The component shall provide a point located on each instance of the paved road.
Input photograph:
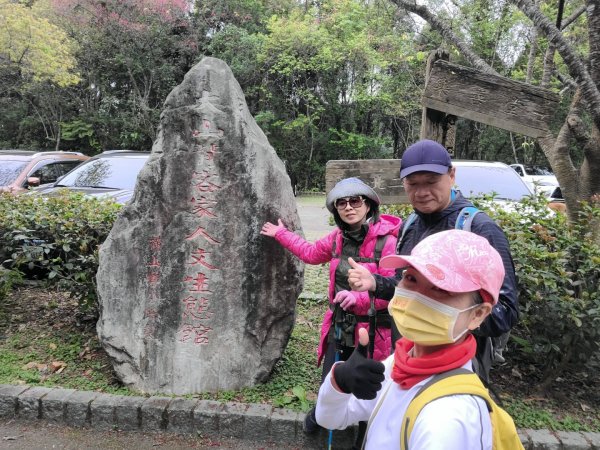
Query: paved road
(39, 436)
(314, 216)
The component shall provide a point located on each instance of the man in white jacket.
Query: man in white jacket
(451, 281)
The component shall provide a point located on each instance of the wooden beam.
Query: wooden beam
(437, 125)
(490, 99)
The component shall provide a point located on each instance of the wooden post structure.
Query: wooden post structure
(437, 125)
(450, 91)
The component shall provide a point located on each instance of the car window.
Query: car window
(117, 173)
(539, 170)
(47, 173)
(477, 180)
(65, 167)
(518, 170)
(10, 170)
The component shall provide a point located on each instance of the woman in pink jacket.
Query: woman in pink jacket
(364, 235)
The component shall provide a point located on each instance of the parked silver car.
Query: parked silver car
(538, 178)
(110, 174)
(474, 178)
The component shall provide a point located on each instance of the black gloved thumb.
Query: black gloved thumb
(363, 343)
(360, 376)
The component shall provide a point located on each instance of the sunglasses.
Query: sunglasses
(355, 202)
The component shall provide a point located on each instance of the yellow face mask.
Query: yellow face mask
(424, 320)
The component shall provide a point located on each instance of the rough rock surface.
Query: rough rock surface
(192, 297)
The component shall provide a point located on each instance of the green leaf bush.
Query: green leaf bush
(558, 269)
(56, 239)
(8, 279)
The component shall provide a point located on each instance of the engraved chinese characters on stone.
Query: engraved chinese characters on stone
(192, 297)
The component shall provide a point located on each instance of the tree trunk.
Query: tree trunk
(573, 61)
(576, 184)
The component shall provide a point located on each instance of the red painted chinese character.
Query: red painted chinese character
(212, 151)
(201, 303)
(149, 329)
(195, 133)
(205, 124)
(198, 333)
(155, 243)
(153, 277)
(151, 313)
(196, 310)
(200, 283)
(195, 315)
(202, 206)
(155, 262)
(199, 257)
(202, 232)
(203, 184)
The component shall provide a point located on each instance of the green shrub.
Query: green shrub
(56, 238)
(558, 269)
(8, 278)
(402, 211)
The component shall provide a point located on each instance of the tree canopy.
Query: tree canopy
(32, 49)
(327, 79)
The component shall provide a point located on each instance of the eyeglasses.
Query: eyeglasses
(355, 202)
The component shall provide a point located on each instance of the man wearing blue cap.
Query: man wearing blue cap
(428, 177)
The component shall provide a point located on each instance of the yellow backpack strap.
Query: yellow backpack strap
(457, 381)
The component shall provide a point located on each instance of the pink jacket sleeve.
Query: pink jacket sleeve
(317, 253)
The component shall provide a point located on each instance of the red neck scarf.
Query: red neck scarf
(408, 371)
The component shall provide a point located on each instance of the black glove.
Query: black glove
(359, 376)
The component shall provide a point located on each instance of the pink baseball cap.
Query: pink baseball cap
(456, 261)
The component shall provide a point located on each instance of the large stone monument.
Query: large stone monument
(192, 297)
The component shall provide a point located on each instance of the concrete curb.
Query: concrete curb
(252, 422)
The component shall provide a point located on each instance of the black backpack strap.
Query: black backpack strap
(381, 240)
(379, 245)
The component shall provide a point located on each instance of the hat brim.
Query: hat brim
(436, 168)
(436, 274)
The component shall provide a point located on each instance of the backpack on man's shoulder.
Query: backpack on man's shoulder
(463, 221)
(456, 382)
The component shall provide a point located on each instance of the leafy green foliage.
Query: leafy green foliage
(527, 416)
(57, 238)
(402, 211)
(27, 357)
(39, 49)
(80, 130)
(325, 81)
(558, 269)
(8, 278)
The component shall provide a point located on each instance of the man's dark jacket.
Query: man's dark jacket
(505, 313)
